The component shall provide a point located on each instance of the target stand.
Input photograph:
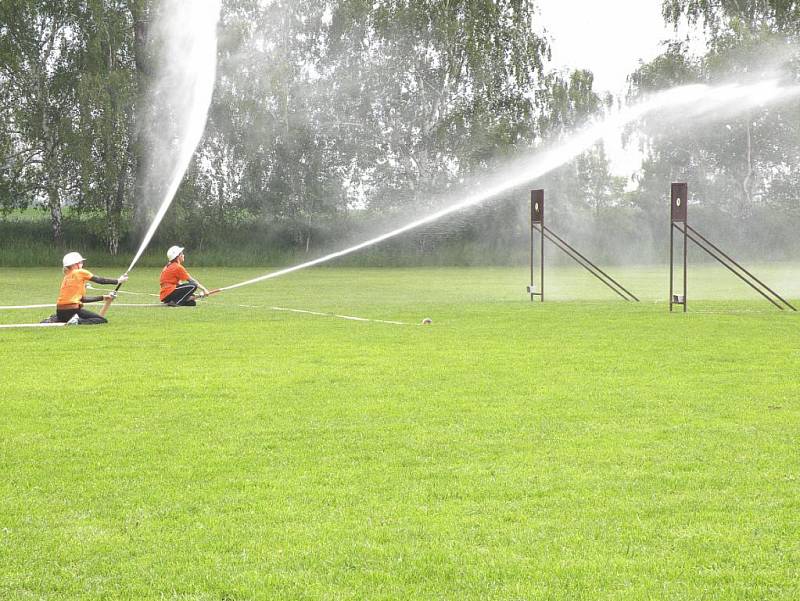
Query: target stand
(679, 222)
(537, 219)
(538, 225)
(678, 199)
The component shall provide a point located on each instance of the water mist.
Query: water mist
(685, 103)
(185, 36)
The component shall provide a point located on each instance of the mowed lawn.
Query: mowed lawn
(584, 448)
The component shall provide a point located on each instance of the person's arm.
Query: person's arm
(92, 299)
(194, 282)
(99, 280)
(185, 276)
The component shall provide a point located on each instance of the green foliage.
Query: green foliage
(106, 96)
(742, 165)
(324, 112)
(721, 16)
(329, 115)
(37, 102)
(566, 103)
(348, 104)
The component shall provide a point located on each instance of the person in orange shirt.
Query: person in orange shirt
(72, 296)
(177, 285)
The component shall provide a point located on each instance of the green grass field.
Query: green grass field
(584, 448)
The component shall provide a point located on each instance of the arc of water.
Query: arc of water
(696, 100)
(188, 74)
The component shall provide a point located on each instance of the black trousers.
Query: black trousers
(84, 317)
(181, 296)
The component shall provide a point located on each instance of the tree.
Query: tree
(139, 14)
(106, 95)
(744, 162)
(326, 106)
(566, 104)
(38, 101)
(720, 17)
(323, 109)
(439, 88)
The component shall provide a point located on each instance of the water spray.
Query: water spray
(186, 81)
(694, 101)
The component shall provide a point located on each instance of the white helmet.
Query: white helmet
(174, 252)
(71, 259)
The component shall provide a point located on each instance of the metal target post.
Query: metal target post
(679, 197)
(538, 225)
(678, 200)
(537, 219)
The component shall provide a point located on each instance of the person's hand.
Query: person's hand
(108, 297)
(122, 279)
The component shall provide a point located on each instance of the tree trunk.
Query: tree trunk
(137, 133)
(56, 216)
(114, 202)
(746, 182)
(114, 212)
(220, 192)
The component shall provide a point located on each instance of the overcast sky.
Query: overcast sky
(608, 37)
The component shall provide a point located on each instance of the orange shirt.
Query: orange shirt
(73, 287)
(172, 275)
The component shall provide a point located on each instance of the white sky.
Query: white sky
(608, 37)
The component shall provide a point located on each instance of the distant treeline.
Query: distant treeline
(497, 234)
(333, 119)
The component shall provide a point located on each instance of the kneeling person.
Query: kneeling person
(72, 296)
(177, 285)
